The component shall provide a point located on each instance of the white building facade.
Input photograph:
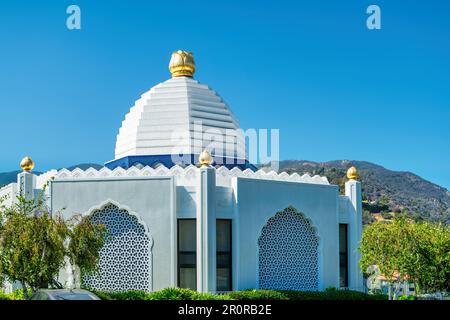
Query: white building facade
(216, 228)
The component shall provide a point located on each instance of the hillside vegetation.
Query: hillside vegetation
(385, 192)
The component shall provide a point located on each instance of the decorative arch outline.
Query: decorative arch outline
(147, 246)
(263, 276)
(105, 203)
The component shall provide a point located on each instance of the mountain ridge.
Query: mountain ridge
(396, 191)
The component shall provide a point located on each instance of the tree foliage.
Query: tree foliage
(86, 240)
(407, 251)
(34, 244)
(431, 269)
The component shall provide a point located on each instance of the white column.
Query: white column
(206, 230)
(353, 192)
(26, 182)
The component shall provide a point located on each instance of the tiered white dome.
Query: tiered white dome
(155, 123)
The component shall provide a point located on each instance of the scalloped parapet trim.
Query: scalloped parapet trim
(42, 179)
(177, 171)
(8, 186)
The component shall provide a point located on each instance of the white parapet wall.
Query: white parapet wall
(8, 194)
(185, 176)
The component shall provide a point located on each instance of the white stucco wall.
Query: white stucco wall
(161, 196)
(8, 194)
(152, 199)
(259, 200)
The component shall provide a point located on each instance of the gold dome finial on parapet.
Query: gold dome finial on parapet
(205, 159)
(182, 64)
(27, 164)
(352, 173)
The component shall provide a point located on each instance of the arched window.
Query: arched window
(126, 257)
(288, 253)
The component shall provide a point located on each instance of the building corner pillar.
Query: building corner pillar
(206, 230)
(353, 192)
(26, 182)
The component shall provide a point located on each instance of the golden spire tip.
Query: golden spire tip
(352, 173)
(27, 164)
(205, 159)
(182, 64)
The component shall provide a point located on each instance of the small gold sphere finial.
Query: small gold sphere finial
(182, 64)
(205, 159)
(352, 173)
(27, 164)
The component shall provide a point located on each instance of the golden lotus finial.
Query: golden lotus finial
(27, 164)
(205, 159)
(352, 173)
(182, 64)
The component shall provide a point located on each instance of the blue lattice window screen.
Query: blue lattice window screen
(125, 259)
(288, 253)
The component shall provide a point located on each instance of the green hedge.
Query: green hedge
(127, 295)
(258, 295)
(303, 295)
(186, 294)
(165, 294)
(16, 295)
(331, 295)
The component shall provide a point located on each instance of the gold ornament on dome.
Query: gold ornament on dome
(182, 64)
(27, 164)
(352, 173)
(205, 159)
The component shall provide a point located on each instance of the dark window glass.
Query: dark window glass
(187, 259)
(223, 237)
(343, 255)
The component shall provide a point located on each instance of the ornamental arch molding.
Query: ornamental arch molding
(288, 252)
(126, 257)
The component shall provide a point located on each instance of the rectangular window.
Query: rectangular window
(187, 258)
(343, 255)
(223, 243)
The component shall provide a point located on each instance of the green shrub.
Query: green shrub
(165, 294)
(124, 295)
(103, 295)
(331, 294)
(211, 296)
(407, 298)
(187, 294)
(173, 294)
(131, 295)
(15, 295)
(257, 295)
(4, 296)
(184, 294)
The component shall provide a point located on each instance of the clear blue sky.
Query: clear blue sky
(311, 68)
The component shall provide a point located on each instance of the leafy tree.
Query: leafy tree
(405, 250)
(386, 246)
(86, 240)
(367, 217)
(34, 244)
(386, 215)
(384, 201)
(431, 268)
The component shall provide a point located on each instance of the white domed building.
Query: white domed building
(180, 216)
(175, 121)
